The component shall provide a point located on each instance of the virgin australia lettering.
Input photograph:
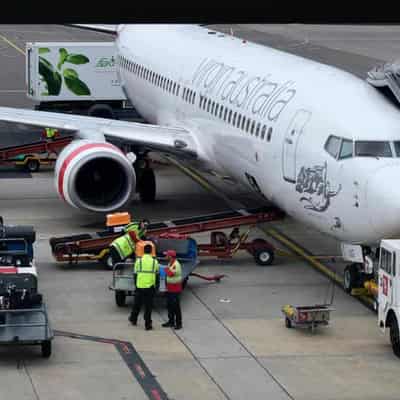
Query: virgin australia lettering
(262, 96)
(318, 142)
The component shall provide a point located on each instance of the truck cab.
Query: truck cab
(388, 292)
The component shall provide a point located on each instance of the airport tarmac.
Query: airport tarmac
(234, 344)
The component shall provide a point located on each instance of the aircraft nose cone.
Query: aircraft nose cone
(383, 201)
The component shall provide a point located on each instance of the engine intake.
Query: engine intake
(94, 175)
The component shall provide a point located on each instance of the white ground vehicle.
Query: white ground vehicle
(76, 77)
(388, 292)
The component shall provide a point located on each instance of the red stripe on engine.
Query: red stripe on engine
(72, 156)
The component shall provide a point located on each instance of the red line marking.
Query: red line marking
(71, 156)
(155, 394)
(139, 369)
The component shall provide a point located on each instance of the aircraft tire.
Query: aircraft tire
(395, 336)
(147, 186)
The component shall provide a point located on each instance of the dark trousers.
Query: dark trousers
(174, 308)
(143, 297)
(116, 258)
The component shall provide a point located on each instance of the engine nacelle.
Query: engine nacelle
(94, 175)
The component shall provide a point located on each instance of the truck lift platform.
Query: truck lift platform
(29, 152)
(86, 247)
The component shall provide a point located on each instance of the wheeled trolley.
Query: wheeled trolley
(23, 314)
(307, 316)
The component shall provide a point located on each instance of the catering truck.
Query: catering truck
(76, 78)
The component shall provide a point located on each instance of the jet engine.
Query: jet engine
(94, 175)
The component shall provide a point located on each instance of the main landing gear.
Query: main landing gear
(145, 179)
(356, 273)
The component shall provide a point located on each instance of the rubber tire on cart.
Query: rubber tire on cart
(350, 278)
(107, 261)
(264, 256)
(288, 323)
(46, 348)
(147, 186)
(32, 165)
(120, 298)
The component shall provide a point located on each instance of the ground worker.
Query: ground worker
(145, 270)
(124, 246)
(174, 289)
(50, 133)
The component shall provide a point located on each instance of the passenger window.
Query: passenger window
(263, 131)
(373, 149)
(248, 125)
(234, 119)
(346, 151)
(332, 146)
(229, 116)
(212, 107)
(258, 129)
(216, 109)
(221, 111)
(243, 122)
(252, 127)
(386, 261)
(208, 105)
(269, 134)
(238, 120)
(225, 113)
(183, 93)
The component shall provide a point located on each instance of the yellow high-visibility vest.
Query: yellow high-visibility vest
(146, 268)
(124, 245)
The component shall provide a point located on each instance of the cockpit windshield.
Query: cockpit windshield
(373, 149)
(342, 148)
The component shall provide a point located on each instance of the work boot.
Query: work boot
(167, 324)
(177, 327)
(149, 328)
(132, 320)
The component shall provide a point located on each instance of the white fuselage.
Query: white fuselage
(183, 76)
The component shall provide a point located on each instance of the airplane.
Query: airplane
(320, 143)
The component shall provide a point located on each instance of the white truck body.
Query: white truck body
(92, 63)
(388, 294)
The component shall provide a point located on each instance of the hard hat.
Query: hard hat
(170, 253)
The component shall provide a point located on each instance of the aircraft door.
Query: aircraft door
(290, 143)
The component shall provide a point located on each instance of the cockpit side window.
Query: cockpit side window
(346, 150)
(397, 148)
(332, 146)
(373, 149)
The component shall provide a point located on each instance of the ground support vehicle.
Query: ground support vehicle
(76, 78)
(84, 247)
(307, 316)
(186, 250)
(32, 155)
(23, 314)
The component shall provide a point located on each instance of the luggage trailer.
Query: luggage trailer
(94, 247)
(32, 155)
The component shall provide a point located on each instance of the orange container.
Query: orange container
(139, 249)
(115, 219)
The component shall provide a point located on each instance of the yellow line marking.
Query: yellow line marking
(272, 232)
(12, 45)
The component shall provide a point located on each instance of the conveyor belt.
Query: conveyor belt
(85, 244)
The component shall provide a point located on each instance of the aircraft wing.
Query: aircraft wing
(164, 139)
(98, 28)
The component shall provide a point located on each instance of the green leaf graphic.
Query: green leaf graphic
(77, 59)
(63, 55)
(43, 50)
(74, 84)
(51, 77)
